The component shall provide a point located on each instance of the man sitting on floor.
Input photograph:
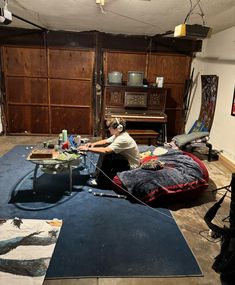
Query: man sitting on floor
(117, 153)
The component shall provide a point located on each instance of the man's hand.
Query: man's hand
(83, 147)
(89, 144)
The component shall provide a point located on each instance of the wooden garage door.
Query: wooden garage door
(48, 90)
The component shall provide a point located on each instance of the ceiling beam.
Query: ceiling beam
(28, 22)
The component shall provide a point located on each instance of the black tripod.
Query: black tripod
(232, 205)
(228, 188)
(224, 262)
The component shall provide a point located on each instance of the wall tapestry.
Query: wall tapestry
(26, 248)
(208, 103)
(233, 104)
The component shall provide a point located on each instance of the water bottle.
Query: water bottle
(78, 140)
(60, 139)
(65, 135)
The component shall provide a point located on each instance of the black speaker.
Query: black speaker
(224, 262)
(232, 203)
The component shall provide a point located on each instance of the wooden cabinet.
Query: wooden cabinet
(48, 90)
(146, 99)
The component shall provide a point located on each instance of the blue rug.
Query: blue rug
(100, 236)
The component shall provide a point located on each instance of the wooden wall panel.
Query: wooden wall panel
(70, 92)
(174, 68)
(175, 123)
(25, 61)
(174, 109)
(124, 62)
(75, 120)
(59, 82)
(38, 102)
(28, 119)
(71, 64)
(174, 97)
(70, 84)
(27, 90)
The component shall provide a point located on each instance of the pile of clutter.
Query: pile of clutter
(66, 142)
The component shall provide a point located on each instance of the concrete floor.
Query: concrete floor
(189, 217)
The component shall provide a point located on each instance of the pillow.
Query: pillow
(182, 140)
(160, 151)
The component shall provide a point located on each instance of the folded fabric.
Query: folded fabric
(152, 163)
(145, 154)
(182, 140)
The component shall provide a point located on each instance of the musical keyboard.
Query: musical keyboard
(140, 105)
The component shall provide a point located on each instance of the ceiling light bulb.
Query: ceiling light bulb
(100, 2)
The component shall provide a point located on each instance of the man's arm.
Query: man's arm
(87, 145)
(101, 142)
(94, 147)
(106, 149)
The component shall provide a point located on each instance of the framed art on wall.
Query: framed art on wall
(233, 104)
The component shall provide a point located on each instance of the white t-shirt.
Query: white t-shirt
(125, 145)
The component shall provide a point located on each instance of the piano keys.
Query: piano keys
(161, 117)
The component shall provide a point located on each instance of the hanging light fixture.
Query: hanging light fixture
(100, 2)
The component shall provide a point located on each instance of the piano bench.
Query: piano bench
(141, 136)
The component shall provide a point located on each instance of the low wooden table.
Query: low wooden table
(149, 135)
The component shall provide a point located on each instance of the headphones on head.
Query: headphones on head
(119, 126)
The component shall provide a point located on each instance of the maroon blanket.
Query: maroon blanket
(182, 172)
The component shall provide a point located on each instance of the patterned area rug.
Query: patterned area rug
(26, 248)
(101, 236)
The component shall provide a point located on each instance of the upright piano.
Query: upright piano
(137, 105)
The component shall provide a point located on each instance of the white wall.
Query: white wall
(217, 57)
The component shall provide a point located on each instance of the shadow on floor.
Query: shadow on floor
(49, 191)
(204, 197)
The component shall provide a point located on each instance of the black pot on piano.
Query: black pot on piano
(143, 108)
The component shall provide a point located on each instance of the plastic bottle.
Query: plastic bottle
(65, 135)
(60, 139)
